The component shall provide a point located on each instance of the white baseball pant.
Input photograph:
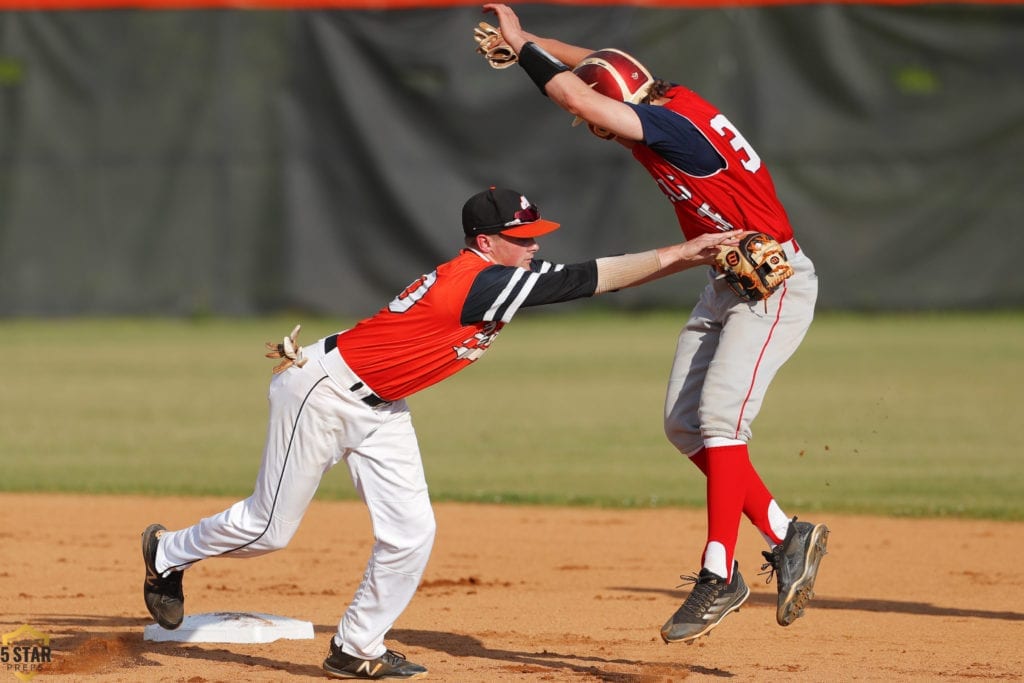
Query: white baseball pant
(315, 421)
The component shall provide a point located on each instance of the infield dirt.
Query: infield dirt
(522, 594)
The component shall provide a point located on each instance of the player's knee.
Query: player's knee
(407, 552)
(685, 440)
(423, 532)
(276, 535)
(279, 539)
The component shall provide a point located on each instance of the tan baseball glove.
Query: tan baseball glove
(491, 44)
(288, 350)
(754, 268)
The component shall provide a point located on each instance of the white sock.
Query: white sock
(779, 521)
(714, 559)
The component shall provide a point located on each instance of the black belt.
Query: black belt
(372, 399)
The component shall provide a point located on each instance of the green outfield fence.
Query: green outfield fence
(192, 158)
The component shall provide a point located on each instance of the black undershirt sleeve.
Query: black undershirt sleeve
(499, 291)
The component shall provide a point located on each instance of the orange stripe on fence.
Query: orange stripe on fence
(56, 5)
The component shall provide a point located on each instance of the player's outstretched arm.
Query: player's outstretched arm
(630, 270)
(548, 63)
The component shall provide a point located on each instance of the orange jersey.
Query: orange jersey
(448, 318)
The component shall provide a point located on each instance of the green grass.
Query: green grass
(906, 415)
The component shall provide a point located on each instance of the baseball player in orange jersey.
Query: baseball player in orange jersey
(730, 348)
(343, 399)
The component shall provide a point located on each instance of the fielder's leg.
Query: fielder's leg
(388, 473)
(308, 415)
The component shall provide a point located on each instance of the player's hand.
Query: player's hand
(509, 25)
(491, 44)
(704, 248)
(288, 350)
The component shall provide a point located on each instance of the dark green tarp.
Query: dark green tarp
(248, 161)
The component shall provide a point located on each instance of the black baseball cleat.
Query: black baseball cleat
(391, 664)
(795, 563)
(711, 599)
(164, 597)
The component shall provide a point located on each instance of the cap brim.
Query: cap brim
(534, 229)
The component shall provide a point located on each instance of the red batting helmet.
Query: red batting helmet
(615, 74)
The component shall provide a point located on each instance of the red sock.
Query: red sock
(756, 500)
(728, 467)
(755, 507)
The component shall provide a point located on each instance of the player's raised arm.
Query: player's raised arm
(549, 62)
(515, 36)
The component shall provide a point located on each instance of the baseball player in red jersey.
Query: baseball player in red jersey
(343, 399)
(730, 348)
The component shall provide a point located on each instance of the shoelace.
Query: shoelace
(702, 596)
(393, 658)
(770, 565)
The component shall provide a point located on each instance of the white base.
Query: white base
(232, 627)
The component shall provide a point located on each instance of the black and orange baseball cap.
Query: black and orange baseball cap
(506, 211)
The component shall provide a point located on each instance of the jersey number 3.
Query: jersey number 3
(723, 127)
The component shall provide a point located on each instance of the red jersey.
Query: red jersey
(448, 318)
(708, 170)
